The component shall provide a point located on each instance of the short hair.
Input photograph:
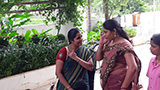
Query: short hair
(72, 34)
(156, 39)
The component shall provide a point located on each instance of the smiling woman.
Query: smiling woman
(73, 62)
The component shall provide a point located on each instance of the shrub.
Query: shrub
(30, 56)
(130, 31)
(3, 42)
(60, 37)
(94, 35)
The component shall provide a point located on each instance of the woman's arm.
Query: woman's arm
(99, 53)
(87, 65)
(132, 68)
(59, 66)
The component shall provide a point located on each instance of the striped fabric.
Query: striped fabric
(73, 71)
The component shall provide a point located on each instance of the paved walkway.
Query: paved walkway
(144, 54)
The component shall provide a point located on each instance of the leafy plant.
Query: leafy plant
(30, 56)
(130, 31)
(133, 6)
(94, 35)
(3, 42)
(10, 26)
(60, 37)
(20, 40)
(58, 11)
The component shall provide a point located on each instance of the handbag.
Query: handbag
(54, 86)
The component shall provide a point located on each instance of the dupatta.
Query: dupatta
(73, 71)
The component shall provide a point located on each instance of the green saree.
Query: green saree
(73, 71)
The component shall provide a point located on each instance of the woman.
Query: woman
(153, 72)
(73, 62)
(119, 66)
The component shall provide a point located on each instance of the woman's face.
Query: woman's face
(155, 49)
(78, 39)
(108, 34)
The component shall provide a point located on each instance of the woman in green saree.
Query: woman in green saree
(73, 62)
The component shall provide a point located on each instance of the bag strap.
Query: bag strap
(67, 52)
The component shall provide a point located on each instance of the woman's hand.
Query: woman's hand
(72, 55)
(103, 39)
(136, 86)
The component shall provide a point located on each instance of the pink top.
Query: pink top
(153, 74)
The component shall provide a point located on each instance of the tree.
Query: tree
(133, 6)
(58, 11)
(112, 6)
(89, 16)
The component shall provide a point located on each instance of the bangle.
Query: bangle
(100, 50)
(68, 87)
(123, 88)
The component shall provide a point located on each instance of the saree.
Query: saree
(73, 71)
(113, 55)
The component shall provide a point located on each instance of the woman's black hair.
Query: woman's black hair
(111, 24)
(156, 39)
(72, 34)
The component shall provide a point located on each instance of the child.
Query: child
(153, 72)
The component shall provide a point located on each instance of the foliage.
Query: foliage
(30, 56)
(3, 42)
(20, 40)
(130, 31)
(112, 6)
(20, 53)
(60, 37)
(94, 35)
(58, 11)
(10, 25)
(133, 6)
(150, 2)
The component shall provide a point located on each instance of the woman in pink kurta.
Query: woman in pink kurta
(120, 65)
(153, 72)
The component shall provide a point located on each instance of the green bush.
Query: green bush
(60, 37)
(30, 56)
(130, 31)
(3, 42)
(94, 35)
(21, 53)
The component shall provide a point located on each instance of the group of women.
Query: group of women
(120, 68)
